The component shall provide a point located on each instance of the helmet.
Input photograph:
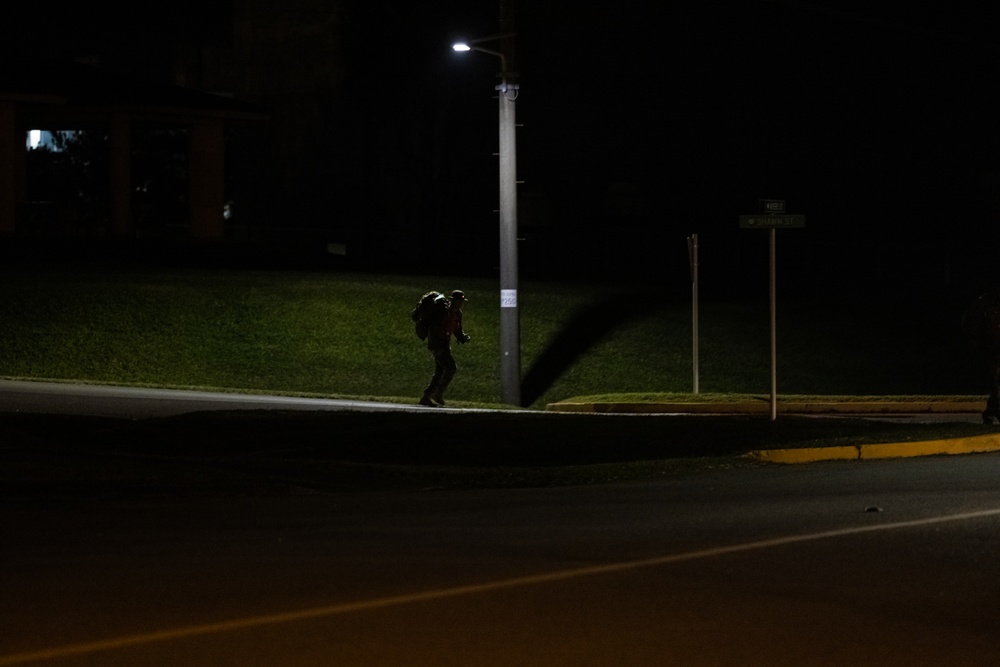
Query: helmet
(458, 294)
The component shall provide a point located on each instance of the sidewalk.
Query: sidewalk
(969, 445)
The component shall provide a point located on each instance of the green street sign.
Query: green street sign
(772, 221)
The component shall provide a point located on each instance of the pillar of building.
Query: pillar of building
(121, 221)
(11, 168)
(207, 178)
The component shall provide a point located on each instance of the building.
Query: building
(114, 108)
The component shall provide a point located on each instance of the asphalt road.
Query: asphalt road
(862, 563)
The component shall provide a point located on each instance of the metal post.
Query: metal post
(774, 333)
(510, 327)
(693, 256)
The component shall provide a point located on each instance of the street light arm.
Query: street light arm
(470, 45)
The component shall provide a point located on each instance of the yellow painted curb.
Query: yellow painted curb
(974, 445)
(807, 454)
(783, 407)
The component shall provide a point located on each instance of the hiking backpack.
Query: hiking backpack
(428, 311)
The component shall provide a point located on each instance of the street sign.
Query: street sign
(772, 221)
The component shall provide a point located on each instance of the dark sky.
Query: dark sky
(67, 28)
(770, 90)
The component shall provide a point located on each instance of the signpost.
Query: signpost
(772, 217)
(693, 257)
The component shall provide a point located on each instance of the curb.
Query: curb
(974, 445)
(764, 407)
(971, 445)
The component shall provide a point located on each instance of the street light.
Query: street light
(510, 334)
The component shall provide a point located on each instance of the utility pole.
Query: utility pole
(507, 90)
(510, 321)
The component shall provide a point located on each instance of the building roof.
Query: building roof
(49, 86)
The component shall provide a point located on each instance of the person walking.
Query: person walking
(439, 333)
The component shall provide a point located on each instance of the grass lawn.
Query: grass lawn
(349, 335)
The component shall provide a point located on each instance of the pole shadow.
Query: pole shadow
(586, 327)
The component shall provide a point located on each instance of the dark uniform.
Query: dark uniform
(439, 343)
(982, 328)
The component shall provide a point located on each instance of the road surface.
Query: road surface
(863, 563)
